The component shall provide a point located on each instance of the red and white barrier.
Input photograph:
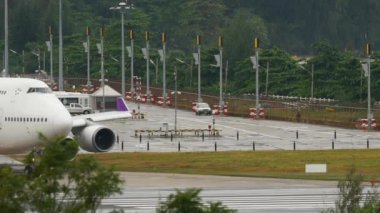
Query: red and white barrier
(160, 101)
(225, 109)
(215, 109)
(128, 96)
(364, 124)
(193, 106)
(252, 113)
(143, 99)
(219, 110)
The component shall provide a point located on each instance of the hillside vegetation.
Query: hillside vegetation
(332, 33)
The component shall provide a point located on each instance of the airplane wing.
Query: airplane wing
(123, 112)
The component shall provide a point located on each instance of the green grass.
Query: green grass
(278, 164)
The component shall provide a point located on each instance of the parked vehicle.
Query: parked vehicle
(202, 109)
(75, 108)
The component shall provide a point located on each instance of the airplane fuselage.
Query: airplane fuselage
(27, 109)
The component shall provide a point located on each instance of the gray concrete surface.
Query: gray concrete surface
(266, 134)
(143, 191)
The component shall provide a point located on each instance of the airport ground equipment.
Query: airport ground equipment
(180, 132)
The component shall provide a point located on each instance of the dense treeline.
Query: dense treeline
(285, 28)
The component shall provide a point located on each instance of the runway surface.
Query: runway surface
(144, 191)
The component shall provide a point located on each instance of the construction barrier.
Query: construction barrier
(225, 109)
(152, 99)
(252, 113)
(219, 110)
(364, 124)
(215, 109)
(160, 101)
(168, 101)
(193, 106)
(128, 96)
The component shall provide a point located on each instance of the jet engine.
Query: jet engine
(95, 138)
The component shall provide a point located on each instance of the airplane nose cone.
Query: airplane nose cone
(62, 123)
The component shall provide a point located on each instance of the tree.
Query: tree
(351, 193)
(189, 201)
(58, 183)
(11, 191)
(182, 201)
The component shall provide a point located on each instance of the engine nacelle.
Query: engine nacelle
(96, 138)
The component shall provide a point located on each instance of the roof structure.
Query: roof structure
(108, 92)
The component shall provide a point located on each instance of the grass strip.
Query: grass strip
(277, 164)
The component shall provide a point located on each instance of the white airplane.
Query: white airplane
(28, 108)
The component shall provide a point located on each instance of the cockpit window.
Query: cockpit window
(39, 90)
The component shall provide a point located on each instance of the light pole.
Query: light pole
(266, 80)
(122, 7)
(256, 46)
(156, 68)
(43, 62)
(220, 44)
(131, 36)
(6, 48)
(38, 58)
(175, 100)
(146, 57)
(197, 58)
(87, 48)
(300, 64)
(60, 74)
(369, 115)
(23, 62)
(164, 67)
(49, 45)
(102, 66)
(312, 80)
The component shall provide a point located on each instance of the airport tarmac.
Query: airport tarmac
(143, 191)
(236, 133)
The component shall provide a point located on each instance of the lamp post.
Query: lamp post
(6, 48)
(87, 48)
(197, 58)
(60, 65)
(369, 115)
(301, 65)
(155, 64)
(102, 66)
(256, 46)
(220, 44)
(164, 67)
(175, 100)
(146, 57)
(131, 36)
(38, 58)
(122, 7)
(49, 45)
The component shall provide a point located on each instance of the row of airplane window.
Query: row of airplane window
(39, 90)
(23, 119)
(2, 92)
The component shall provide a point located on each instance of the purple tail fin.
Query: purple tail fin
(121, 105)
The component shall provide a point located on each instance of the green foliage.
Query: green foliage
(190, 201)
(351, 194)
(11, 191)
(58, 183)
(284, 28)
